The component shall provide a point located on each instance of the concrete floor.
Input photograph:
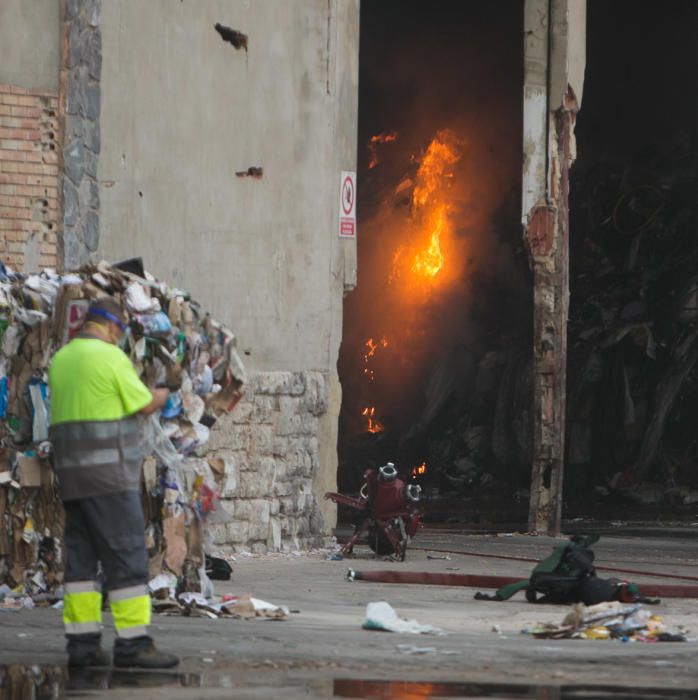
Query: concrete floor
(315, 649)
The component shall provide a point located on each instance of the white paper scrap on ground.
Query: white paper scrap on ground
(381, 616)
(189, 597)
(163, 580)
(264, 607)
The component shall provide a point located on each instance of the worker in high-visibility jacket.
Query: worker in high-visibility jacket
(96, 398)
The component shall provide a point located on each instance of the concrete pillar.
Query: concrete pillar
(80, 107)
(554, 58)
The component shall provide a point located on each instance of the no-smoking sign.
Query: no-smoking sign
(347, 205)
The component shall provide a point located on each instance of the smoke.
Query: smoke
(453, 73)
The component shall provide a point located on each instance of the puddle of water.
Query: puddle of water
(405, 690)
(18, 682)
(48, 682)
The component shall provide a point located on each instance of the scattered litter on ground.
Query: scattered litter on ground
(628, 623)
(382, 617)
(439, 556)
(192, 604)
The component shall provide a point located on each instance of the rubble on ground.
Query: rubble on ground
(172, 342)
(624, 622)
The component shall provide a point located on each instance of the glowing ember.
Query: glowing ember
(371, 347)
(385, 137)
(421, 469)
(372, 425)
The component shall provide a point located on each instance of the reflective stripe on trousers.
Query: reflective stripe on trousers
(130, 608)
(82, 607)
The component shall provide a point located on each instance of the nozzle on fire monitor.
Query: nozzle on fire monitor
(387, 472)
(413, 492)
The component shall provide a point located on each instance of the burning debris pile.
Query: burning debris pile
(172, 341)
(447, 395)
(428, 382)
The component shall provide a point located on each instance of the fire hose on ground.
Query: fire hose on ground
(479, 581)
(514, 557)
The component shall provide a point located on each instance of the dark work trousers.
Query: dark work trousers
(110, 530)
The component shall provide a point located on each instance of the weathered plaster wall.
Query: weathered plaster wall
(568, 50)
(30, 44)
(535, 97)
(30, 133)
(552, 61)
(182, 112)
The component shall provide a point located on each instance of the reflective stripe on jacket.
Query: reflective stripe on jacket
(95, 458)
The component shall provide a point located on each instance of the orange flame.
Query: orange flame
(421, 469)
(429, 262)
(430, 207)
(433, 170)
(373, 425)
(384, 137)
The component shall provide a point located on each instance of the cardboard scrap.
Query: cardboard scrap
(247, 607)
(176, 547)
(29, 467)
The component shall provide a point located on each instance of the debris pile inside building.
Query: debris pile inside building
(172, 342)
(633, 324)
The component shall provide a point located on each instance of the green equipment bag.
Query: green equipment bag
(566, 576)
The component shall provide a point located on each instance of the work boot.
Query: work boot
(85, 650)
(140, 652)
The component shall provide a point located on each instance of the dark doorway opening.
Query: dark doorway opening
(633, 338)
(435, 358)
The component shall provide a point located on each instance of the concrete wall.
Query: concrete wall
(182, 112)
(30, 44)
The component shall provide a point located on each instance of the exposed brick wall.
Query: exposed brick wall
(29, 144)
